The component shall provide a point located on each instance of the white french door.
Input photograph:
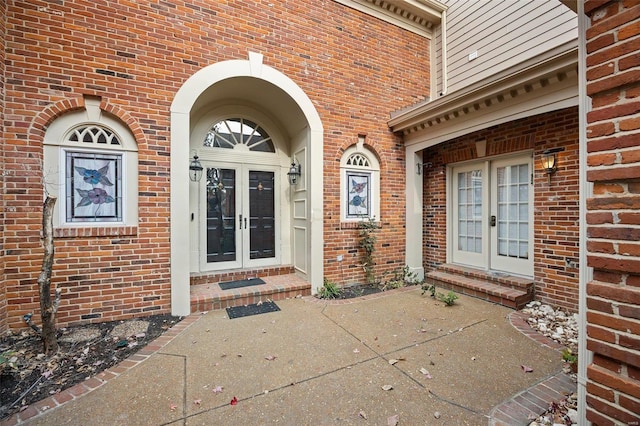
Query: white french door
(240, 217)
(492, 215)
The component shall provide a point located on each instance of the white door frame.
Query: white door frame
(488, 258)
(242, 238)
(182, 107)
(512, 265)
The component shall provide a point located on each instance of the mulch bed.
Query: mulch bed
(353, 291)
(27, 376)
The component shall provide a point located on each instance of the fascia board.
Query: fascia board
(554, 61)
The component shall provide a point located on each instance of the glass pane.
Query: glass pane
(513, 249)
(239, 131)
(469, 192)
(221, 215)
(524, 250)
(262, 215)
(513, 210)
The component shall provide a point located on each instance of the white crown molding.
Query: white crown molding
(547, 69)
(417, 16)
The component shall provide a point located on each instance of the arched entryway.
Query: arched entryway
(246, 122)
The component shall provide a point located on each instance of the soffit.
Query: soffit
(550, 68)
(418, 16)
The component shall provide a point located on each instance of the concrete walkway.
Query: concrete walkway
(317, 363)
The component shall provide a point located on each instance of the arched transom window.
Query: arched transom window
(360, 184)
(91, 165)
(94, 135)
(232, 133)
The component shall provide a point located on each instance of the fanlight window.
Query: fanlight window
(358, 160)
(93, 135)
(233, 132)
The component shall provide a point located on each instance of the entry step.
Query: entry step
(503, 289)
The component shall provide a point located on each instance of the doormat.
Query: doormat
(253, 309)
(228, 285)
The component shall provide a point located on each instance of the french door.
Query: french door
(240, 217)
(492, 215)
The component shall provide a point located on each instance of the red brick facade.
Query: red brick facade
(3, 29)
(134, 57)
(556, 227)
(613, 211)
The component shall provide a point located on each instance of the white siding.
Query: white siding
(503, 33)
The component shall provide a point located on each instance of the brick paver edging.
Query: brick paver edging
(100, 379)
(534, 401)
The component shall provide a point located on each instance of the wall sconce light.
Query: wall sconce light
(195, 169)
(550, 161)
(420, 166)
(294, 173)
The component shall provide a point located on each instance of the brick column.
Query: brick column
(613, 211)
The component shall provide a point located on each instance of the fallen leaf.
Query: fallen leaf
(437, 414)
(234, 401)
(363, 415)
(393, 420)
(387, 387)
(356, 351)
(217, 389)
(526, 369)
(197, 401)
(426, 373)
(393, 361)
(173, 407)
(270, 358)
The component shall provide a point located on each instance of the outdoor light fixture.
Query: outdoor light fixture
(420, 166)
(550, 161)
(195, 169)
(294, 173)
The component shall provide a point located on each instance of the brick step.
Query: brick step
(511, 295)
(499, 278)
(209, 296)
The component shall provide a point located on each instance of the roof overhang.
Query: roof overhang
(522, 80)
(418, 16)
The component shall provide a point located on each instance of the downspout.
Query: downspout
(443, 30)
(585, 357)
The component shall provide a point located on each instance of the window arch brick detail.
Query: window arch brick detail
(42, 120)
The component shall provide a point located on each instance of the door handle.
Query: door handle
(240, 222)
(245, 223)
(492, 221)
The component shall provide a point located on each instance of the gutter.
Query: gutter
(443, 26)
(585, 357)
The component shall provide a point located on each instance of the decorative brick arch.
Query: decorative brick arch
(43, 119)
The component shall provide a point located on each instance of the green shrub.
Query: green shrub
(329, 290)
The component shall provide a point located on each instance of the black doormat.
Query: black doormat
(228, 285)
(254, 309)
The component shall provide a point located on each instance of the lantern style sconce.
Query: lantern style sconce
(294, 173)
(421, 166)
(195, 169)
(550, 161)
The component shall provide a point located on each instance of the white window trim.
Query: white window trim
(373, 170)
(56, 145)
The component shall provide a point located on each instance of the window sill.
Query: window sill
(355, 224)
(97, 231)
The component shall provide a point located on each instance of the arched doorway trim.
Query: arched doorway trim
(181, 109)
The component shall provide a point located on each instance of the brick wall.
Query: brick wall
(613, 211)
(556, 221)
(3, 298)
(134, 56)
